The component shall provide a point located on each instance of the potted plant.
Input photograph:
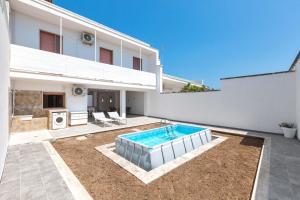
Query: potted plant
(288, 129)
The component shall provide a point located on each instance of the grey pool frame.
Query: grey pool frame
(149, 158)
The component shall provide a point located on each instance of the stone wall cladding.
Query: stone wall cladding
(29, 103)
(19, 125)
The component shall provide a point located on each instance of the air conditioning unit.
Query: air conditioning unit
(87, 38)
(79, 91)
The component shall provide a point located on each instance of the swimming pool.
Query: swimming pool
(152, 148)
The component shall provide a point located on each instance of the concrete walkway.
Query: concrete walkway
(30, 174)
(279, 176)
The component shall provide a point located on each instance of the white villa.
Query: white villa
(56, 64)
(54, 51)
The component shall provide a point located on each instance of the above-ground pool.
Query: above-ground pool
(152, 148)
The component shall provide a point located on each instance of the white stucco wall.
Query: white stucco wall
(25, 32)
(135, 100)
(73, 103)
(298, 97)
(5, 84)
(253, 103)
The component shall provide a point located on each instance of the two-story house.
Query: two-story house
(55, 53)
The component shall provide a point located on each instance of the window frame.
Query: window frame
(57, 94)
(56, 41)
(112, 55)
(140, 63)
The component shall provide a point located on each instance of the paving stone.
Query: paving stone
(278, 168)
(11, 186)
(296, 191)
(50, 177)
(10, 174)
(10, 196)
(29, 166)
(30, 179)
(279, 189)
(30, 174)
(33, 192)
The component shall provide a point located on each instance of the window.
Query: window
(137, 63)
(49, 42)
(49, 1)
(106, 56)
(53, 100)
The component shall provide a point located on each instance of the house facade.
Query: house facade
(55, 51)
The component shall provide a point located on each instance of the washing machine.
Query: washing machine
(59, 120)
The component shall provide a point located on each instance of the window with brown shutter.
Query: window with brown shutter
(50, 1)
(137, 63)
(106, 56)
(49, 42)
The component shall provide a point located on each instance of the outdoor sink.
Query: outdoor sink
(24, 117)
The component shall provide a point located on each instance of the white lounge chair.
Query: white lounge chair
(116, 117)
(99, 116)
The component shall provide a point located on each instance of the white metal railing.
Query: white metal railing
(38, 61)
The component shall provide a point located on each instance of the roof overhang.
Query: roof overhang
(52, 13)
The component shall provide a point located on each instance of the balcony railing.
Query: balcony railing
(38, 61)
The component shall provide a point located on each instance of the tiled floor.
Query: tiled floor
(45, 135)
(96, 128)
(280, 172)
(30, 174)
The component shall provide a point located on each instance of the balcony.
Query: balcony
(28, 60)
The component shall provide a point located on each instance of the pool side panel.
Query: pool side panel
(149, 158)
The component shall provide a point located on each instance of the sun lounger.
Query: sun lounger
(116, 117)
(100, 117)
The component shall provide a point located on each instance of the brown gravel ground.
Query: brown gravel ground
(226, 171)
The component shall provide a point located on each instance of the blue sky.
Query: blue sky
(206, 39)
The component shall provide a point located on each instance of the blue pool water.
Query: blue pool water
(153, 137)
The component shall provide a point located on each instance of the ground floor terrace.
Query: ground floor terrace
(70, 167)
(36, 104)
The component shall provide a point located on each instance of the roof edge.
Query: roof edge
(91, 22)
(293, 66)
(181, 79)
(254, 75)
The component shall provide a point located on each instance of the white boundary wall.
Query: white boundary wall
(5, 84)
(298, 96)
(253, 103)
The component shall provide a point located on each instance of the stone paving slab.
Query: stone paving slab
(30, 174)
(279, 177)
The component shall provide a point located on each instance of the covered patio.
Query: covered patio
(108, 100)
(91, 127)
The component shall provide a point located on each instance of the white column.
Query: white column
(95, 52)
(60, 34)
(121, 53)
(159, 81)
(123, 103)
